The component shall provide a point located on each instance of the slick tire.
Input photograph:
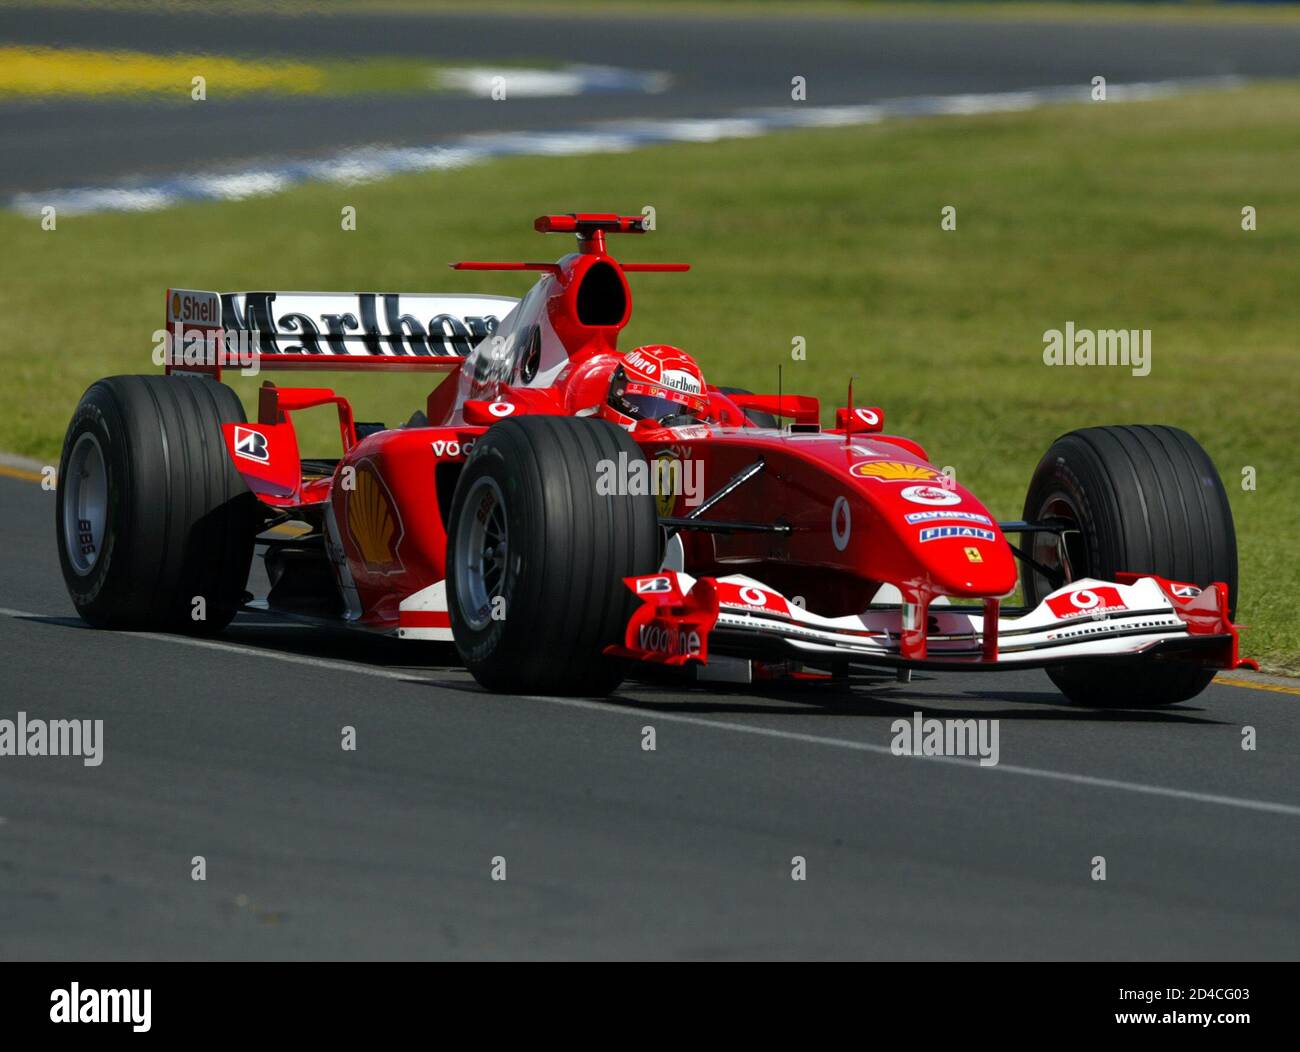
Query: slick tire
(151, 514)
(1141, 498)
(536, 557)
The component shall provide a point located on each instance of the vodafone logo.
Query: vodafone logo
(841, 523)
(935, 496)
(452, 448)
(868, 416)
(751, 597)
(500, 409)
(658, 638)
(1087, 602)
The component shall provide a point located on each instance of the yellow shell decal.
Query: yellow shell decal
(893, 471)
(667, 469)
(373, 522)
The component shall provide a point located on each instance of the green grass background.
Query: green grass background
(1110, 215)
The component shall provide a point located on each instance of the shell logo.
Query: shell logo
(668, 467)
(176, 306)
(893, 471)
(374, 523)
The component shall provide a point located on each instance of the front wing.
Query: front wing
(682, 619)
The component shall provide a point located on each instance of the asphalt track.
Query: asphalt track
(231, 750)
(720, 66)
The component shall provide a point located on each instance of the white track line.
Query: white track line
(607, 708)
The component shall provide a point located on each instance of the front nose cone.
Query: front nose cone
(966, 567)
(954, 541)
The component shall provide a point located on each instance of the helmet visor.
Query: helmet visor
(643, 401)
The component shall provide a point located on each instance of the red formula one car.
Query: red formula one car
(563, 511)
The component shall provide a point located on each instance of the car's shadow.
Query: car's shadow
(865, 693)
(882, 695)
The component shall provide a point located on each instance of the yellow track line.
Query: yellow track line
(20, 473)
(1256, 686)
(31, 70)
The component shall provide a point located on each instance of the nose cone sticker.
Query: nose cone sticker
(935, 496)
(940, 533)
(892, 471)
(841, 524)
(1093, 602)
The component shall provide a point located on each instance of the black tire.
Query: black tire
(755, 416)
(177, 520)
(1146, 499)
(560, 597)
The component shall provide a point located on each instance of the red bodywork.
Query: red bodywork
(859, 508)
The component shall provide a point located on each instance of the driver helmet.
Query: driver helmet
(658, 383)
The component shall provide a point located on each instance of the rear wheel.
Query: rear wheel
(536, 556)
(151, 514)
(1143, 499)
(755, 416)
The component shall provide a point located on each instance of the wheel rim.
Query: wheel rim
(85, 503)
(481, 552)
(1063, 552)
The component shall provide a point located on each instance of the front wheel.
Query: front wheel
(1143, 499)
(537, 551)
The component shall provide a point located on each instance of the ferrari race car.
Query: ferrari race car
(563, 512)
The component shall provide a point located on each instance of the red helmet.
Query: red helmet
(658, 383)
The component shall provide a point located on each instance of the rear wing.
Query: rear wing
(326, 330)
